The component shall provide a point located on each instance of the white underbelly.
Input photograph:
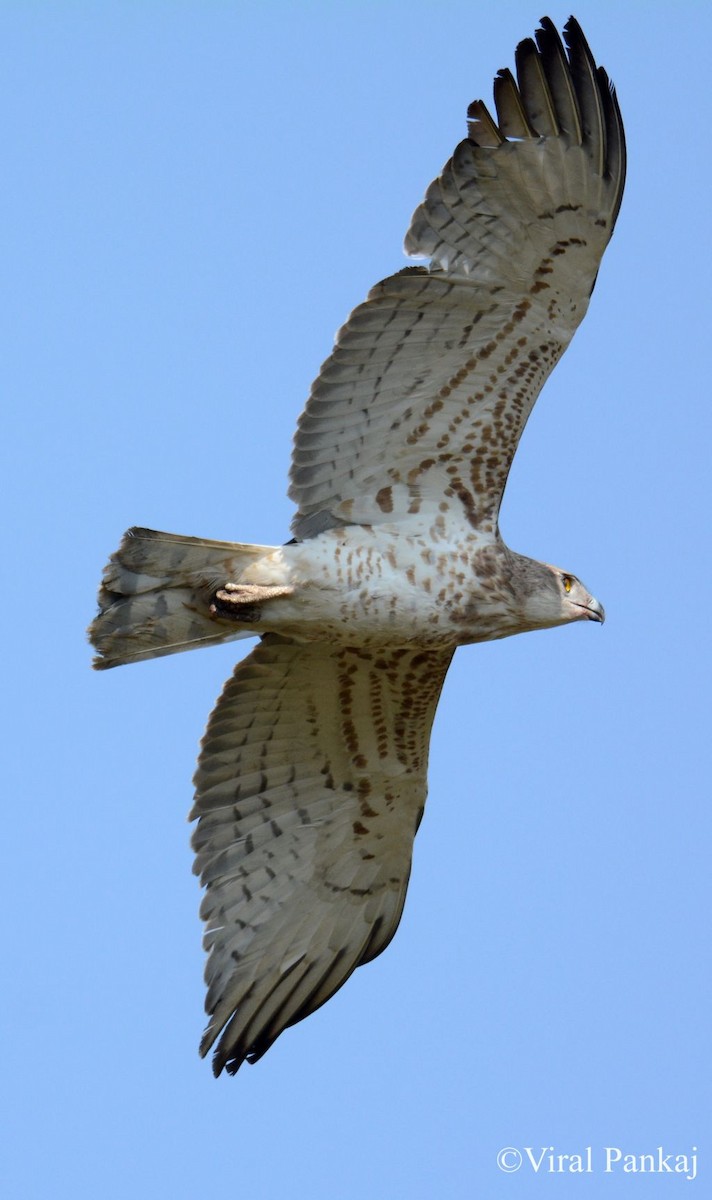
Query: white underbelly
(367, 584)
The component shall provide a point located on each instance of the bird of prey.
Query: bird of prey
(311, 779)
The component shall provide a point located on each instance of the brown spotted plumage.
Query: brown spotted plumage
(312, 775)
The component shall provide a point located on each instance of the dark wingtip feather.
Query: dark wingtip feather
(602, 122)
(510, 111)
(617, 154)
(534, 89)
(559, 90)
(481, 129)
(556, 66)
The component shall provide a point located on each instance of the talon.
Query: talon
(235, 602)
(233, 595)
(242, 601)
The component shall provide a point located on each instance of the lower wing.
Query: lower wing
(309, 790)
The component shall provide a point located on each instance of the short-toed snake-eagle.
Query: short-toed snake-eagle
(312, 776)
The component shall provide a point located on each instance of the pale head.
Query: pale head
(551, 596)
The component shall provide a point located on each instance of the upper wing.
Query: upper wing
(432, 379)
(309, 790)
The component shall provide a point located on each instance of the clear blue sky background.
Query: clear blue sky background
(193, 198)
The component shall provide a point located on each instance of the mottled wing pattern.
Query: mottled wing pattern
(309, 790)
(432, 379)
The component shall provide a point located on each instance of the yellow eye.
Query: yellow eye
(568, 583)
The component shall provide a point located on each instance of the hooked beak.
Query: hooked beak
(594, 611)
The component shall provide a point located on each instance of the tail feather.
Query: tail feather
(156, 593)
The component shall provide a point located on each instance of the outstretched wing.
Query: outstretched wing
(433, 378)
(309, 790)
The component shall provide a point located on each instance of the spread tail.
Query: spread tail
(156, 594)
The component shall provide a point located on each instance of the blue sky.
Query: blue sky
(195, 196)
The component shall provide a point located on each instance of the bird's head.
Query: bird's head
(555, 597)
(577, 604)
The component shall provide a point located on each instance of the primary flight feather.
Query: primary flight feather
(311, 780)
